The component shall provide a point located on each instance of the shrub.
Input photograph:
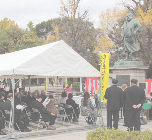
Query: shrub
(111, 134)
(76, 86)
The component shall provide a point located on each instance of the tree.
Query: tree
(5, 43)
(29, 39)
(77, 30)
(47, 27)
(7, 23)
(55, 37)
(110, 22)
(9, 34)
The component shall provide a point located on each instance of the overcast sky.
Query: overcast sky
(23, 11)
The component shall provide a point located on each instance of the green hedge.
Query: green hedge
(76, 86)
(111, 134)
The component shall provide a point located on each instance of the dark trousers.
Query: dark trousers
(25, 122)
(124, 114)
(133, 119)
(77, 112)
(2, 123)
(115, 114)
(52, 121)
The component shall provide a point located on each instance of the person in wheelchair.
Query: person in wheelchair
(75, 106)
(88, 110)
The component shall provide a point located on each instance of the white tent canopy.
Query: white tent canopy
(50, 60)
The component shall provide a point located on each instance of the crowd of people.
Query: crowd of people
(130, 98)
(25, 104)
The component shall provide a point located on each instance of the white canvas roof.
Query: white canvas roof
(50, 60)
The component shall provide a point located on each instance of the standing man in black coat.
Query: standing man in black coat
(114, 96)
(135, 97)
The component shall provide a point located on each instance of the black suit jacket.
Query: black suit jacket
(114, 96)
(24, 99)
(72, 103)
(7, 105)
(16, 101)
(29, 99)
(1, 107)
(124, 99)
(43, 98)
(46, 115)
(134, 96)
(33, 99)
(17, 112)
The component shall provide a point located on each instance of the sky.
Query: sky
(37, 11)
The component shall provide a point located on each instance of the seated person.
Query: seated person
(29, 97)
(75, 106)
(51, 105)
(24, 99)
(17, 99)
(34, 95)
(46, 115)
(7, 103)
(2, 124)
(2, 119)
(21, 92)
(2, 95)
(43, 94)
(7, 92)
(19, 115)
(87, 107)
(63, 98)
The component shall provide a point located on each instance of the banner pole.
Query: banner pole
(100, 91)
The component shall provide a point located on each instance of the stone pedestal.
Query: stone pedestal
(126, 70)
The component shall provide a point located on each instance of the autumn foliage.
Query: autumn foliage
(109, 23)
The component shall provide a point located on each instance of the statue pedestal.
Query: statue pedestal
(124, 71)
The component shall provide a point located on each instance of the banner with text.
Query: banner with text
(104, 69)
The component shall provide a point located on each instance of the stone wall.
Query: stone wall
(139, 74)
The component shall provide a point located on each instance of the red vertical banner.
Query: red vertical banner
(148, 85)
(92, 84)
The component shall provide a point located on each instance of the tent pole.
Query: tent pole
(12, 135)
(81, 85)
(29, 81)
(57, 87)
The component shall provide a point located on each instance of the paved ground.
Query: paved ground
(75, 131)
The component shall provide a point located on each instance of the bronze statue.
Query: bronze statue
(130, 28)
